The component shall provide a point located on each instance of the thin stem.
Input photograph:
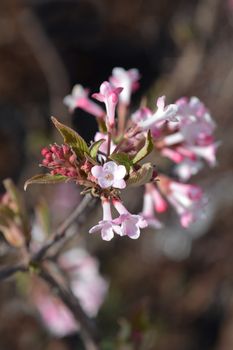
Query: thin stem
(109, 143)
(122, 112)
(60, 233)
(88, 329)
(9, 271)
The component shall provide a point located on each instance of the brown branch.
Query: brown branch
(7, 271)
(77, 215)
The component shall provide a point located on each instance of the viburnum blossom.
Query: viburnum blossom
(117, 159)
(162, 115)
(110, 96)
(130, 224)
(126, 79)
(188, 200)
(104, 146)
(148, 211)
(79, 99)
(109, 175)
(107, 226)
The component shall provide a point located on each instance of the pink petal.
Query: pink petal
(105, 183)
(107, 233)
(110, 167)
(119, 183)
(120, 172)
(98, 97)
(97, 171)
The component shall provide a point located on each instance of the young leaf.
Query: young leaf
(72, 138)
(145, 150)
(122, 159)
(140, 176)
(95, 147)
(45, 179)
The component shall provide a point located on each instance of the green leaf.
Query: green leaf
(122, 159)
(145, 150)
(140, 176)
(45, 179)
(72, 138)
(94, 148)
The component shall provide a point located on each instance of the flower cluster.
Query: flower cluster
(115, 160)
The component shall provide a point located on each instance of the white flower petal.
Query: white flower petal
(120, 172)
(97, 171)
(119, 183)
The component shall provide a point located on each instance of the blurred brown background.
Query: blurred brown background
(173, 286)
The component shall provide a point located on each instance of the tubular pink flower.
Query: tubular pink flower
(104, 147)
(208, 153)
(110, 96)
(162, 114)
(160, 204)
(130, 224)
(126, 79)
(187, 200)
(110, 175)
(148, 211)
(79, 99)
(172, 154)
(107, 226)
(187, 168)
(144, 114)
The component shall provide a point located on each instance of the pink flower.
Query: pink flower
(110, 96)
(187, 168)
(104, 146)
(107, 226)
(79, 99)
(130, 224)
(162, 114)
(160, 205)
(186, 199)
(86, 282)
(126, 79)
(148, 211)
(206, 152)
(82, 271)
(55, 314)
(110, 175)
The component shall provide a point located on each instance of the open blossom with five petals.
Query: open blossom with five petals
(162, 115)
(79, 99)
(107, 226)
(110, 96)
(109, 175)
(130, 223)
(126, 79)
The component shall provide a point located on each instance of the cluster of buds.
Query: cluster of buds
(182, 132)
(61, 160)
